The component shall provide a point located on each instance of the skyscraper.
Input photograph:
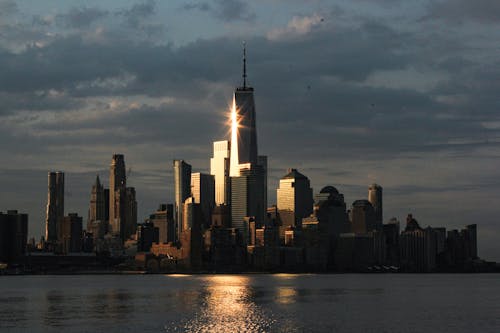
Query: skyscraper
(71, 240)
(219, 168)
(98, 218)
(117, 185)
(13, 235)
(163, 219)
(202, 190)
(182, 188)
(122, 201)
(248, 171)
(247, 198)
(294, 198)
(55, 207)
(130, 225)
(362, 217)
(243, 129)
(97, 209)
(375, 198)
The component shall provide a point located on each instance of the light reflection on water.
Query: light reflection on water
(228, 304)
(251, 303)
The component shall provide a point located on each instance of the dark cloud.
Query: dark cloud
(332, 65)
(202, 6)
(136, 14)
(460, 11)
(8, 7)
(81, 17)
(226, 10)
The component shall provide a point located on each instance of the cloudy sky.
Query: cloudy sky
(350, 92)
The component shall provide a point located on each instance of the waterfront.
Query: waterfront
(251, 303)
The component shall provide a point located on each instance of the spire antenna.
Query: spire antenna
(244, 64)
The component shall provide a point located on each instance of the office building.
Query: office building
(163, 219)
(202, 190)
(182, 191)
(147, 234)
(71, 234)
(391, 235)
(375, 198)
(469, 235)
(418, 249)
(219, 168)
(55, 207)
(322, 229)
(362, 217)
(248, 170)
(247, 198)
(130, 224)
(99, 201)
(243, 128)
(122, 201)
(221, 216)
(13, 236)
(294, 198)
(117, 190)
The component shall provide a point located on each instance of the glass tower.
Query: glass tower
(182, 187)
(294, 198)
(219, 168)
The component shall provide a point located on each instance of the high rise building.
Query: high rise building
(219, 168)
(147, 234)
(247, 198)
(55, 207)
(202, 190)
(182, 189)
(469, 235)
(262, 162)
(243, 129)
(418, 249)
(13, 235)
(130, 225)
(294, 198)
(98, 218)
(117, 186)
(163, 219)
(375, 198)
(248, 171)
(97, 209)
(362, 217)
(122, 201)
(71, 234)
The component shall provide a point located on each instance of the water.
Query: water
(251, 303)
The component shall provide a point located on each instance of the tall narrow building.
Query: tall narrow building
(122, 201)
(243, 128)
(219, 168)
(202, 190)
(375, 198)
(247, 198)
(55, 207)
(97, 209)
(294, 198)
(97, 222)
(130, 225)
(248, 170)
(182, 189)
(117, 186)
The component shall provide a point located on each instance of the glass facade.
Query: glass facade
(219, 168)
(294, 198)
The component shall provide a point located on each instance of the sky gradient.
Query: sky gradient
(348, 92)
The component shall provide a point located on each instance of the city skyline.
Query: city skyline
(403, 124)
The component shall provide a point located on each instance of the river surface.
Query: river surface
(251, 303)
